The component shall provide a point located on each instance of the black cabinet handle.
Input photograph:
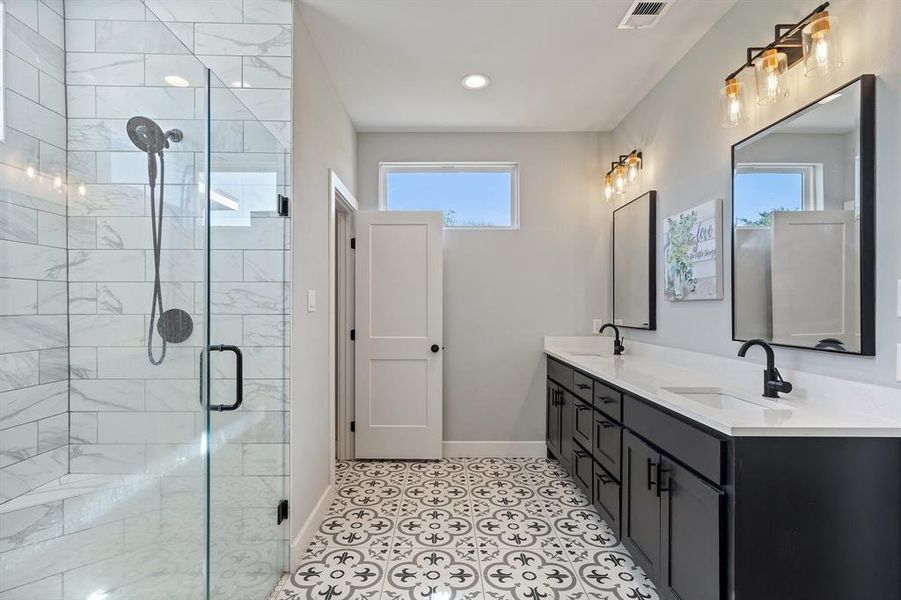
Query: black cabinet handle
(581, 453)
(581, 407)
(583, 386)
(605, 479)
(659, 483)
(607, 400)
(604, 424)
(650, 469)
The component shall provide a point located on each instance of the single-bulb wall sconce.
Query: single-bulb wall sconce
(812, 40)
(624, 173)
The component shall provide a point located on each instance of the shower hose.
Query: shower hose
(156, 224)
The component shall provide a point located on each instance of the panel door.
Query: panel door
(641, 505)
(567, 445)
(553, 417)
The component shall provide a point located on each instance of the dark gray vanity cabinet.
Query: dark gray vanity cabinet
(552, 436)
(560, 403)
(640, 529)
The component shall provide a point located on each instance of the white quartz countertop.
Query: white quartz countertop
(819, 406)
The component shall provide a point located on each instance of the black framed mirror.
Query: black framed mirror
(634, 263)
(803, 226)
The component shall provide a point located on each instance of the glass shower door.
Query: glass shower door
(246, 303)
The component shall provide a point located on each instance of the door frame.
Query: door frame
(339, 198)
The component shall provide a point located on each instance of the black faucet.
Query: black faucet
(772, 380)
(617, 341)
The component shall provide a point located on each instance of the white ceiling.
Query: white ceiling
(555, 65)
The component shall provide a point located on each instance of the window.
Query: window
(471, 195)
(764, 188)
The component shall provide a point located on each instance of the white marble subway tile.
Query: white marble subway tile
(31, 192)
(266, 394)
(158, 66)
(145, 428)
(82, 168)
(54, 365)
(248, 298)
(49, 588)
(110, 505)
(172, 395)
(24, 405)
(24, 10)
(19, 370)
(82, 233)
(132, 363)
(82, 298)
(22, 77)
(130, 167)
(223, 106)
(226, 68)
(207, 11)
(245, 39)
(33, 119)
(187, 460)
(267, 330)
(82, 363)
(61, 554)
(177, 265)
(117, 10)
(18, 297)
(50, 25)
(29, 526)
(138, 37)
(265, 363)
(83, 428)
(102, 135)
(81, 101)
(135, 298)
(53, 93)
(258, 525)
(18, 443)
(253, 427)
(248, 491)
(265, 265)
(52, 298)
(32, 262)
(28, 474)
(227, 136)
(282, 131)
(19, 150)
(18, 224)
(258, 138)
(23, 333)
(53, 432)
(106, 265)
(80, 35)
(107, 395)
(108, 200)
(107, 330)
(56, 5)
(264, 233)
(104, 69)
(273, 105)
(53, 161)
(26, 43)
(132, 233)
(51, 230)
(267, 11)
(265, 459)
(107, 458)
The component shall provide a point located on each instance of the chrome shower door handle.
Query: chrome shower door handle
(239, 377)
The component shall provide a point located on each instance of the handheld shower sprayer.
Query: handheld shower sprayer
(175, 325)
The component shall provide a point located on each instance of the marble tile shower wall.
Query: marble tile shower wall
(34, 424)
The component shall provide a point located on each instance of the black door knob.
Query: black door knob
(435, 348)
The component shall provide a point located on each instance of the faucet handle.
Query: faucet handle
(780, 385)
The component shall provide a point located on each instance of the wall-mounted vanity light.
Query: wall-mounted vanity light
(624, 174)
(811, 40)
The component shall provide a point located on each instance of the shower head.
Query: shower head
(149, 137)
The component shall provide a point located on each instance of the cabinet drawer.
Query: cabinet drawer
(582, 470)
(582, 386)
(607, 498)
(560, 373)
(691, 446)
(583, 423)
(608, 400)
(608, 444)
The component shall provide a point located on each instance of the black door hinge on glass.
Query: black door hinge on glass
(281, 512)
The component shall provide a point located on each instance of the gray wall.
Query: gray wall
(686, 155)
(324, 139)
(505, 290)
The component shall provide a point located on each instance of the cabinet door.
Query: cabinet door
(691, 551)
(583, 421)
(608, 441)
(641, 504)
(566, 429)
(553, 418)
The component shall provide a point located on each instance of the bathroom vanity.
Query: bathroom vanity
(722, 494)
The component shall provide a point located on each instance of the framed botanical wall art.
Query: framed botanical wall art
(693, 253)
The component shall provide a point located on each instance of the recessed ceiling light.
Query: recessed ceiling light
(177, 81)
(475, 81)
(829, 99)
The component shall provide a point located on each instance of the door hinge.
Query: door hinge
(353, 334)
(353, 243)
(282, 511)
(282, 207)
(353, 426)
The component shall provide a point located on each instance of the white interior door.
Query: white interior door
(815, 282)
(399, 335)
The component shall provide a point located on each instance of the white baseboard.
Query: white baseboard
(302, 540)
(488, 449)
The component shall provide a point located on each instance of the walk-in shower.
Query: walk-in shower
(139, 236)
(175, 325)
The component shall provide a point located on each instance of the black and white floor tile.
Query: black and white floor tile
(464, 529)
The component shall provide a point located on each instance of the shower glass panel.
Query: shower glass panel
(246, 304)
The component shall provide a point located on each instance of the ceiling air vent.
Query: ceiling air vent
(643, 14)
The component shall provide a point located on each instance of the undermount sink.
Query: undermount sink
(718, 398)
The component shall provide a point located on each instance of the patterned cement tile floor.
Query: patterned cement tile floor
(474, 529)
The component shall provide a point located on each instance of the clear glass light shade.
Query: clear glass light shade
(769, 73)
(633, 170)
(608, 186)
(619, 179)
(822, 53)
(733, 103)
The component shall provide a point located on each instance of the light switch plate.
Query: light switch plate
(596, 326)
(311, 300)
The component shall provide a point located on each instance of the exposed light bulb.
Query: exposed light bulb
(619, 178)
(608, 186)
(732, 102)
(822, 52)
(633, 163)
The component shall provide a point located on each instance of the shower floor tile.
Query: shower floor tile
(463, 529)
